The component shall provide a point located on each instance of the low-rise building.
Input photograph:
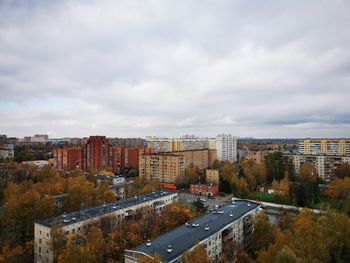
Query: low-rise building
(212, 176)
(110, 179)
(232, 222)
(204, 189)
(81, 220)
(258, 156)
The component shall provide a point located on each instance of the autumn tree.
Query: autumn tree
(103, 194)
(23, 208)
(58, 240)
(197, 255)
(80, 194)
(286, 255)
(263, 234)
(82, 248)
(173, 215)
(255, 173)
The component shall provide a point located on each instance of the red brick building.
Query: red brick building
(97, 153)
(68, 158)
(125, 157)
(204, 189)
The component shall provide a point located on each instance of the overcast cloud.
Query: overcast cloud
(168, 68)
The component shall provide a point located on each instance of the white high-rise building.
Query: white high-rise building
(226, 146)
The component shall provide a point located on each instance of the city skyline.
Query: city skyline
(125, 69)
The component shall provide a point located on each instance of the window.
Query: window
(39, 240)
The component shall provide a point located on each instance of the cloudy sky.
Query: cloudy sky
(169, 68)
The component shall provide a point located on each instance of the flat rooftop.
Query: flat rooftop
(87, 213)
(184, 237)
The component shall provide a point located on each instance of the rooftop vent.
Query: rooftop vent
(148, 243)
(231, 215)
(248, 204)
(169, 249)
(206, 228)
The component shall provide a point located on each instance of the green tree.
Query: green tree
(276, 165)
(343, 171)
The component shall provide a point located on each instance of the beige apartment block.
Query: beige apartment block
(333, 147)
(212, 176)
(163, 167)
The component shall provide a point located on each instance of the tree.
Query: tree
(80, 193)
(339, 188)
(103, 194)
(172, 216)
(197, 255)
(199, 206)
(241, 188)
(276, 165)
(58, 240)
(307, 173)
(286, 255)
(343, 171)
(254, 173)
(263, 234)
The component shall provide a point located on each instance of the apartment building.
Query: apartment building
(125, 157)
(232, 222)
(163, 167)
(202, 158)
(226, 146)
(169, 167)
(97, 153)
(332, 147)
(82, 220)
(185, 143)
(325, 165)
(68, 158)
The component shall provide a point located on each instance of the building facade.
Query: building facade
(204, 189)
(163, 167)
(325, 165)
(202, 158)
(226, 146)
(212, 176)
(332, 147)
(97, 153)
(82, 220)
(233, 222)
(185, 143)
(68, 158)
(125, 157)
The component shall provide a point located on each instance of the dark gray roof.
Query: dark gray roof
(84, 214)
(183, 238)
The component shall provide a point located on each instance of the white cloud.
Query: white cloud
(131, 68)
